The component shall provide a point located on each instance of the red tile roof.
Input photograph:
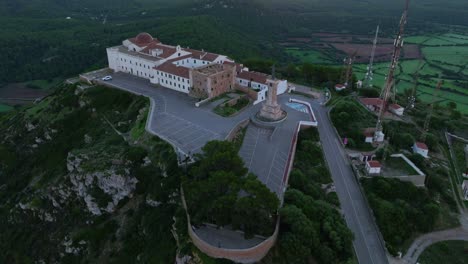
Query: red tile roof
(202, 55)
(371, 101)
(396, 106)
(169, 67)
(374, 164)
(369, 132)
(253, 76)
(421, 145)
(143, 40)
(340, 86)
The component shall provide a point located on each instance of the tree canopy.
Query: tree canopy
(219, 191)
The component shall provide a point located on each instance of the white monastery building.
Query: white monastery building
(197, 73)
(421, 149)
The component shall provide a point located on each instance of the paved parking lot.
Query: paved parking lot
(175, 117)
(265, 152)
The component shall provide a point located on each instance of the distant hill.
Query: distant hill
(452, 12)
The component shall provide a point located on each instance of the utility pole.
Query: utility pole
(370, 74)
(398, 45)
(427, 122)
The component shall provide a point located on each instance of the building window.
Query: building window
(194, 61)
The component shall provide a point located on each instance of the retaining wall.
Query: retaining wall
(251, 93)
(249, 255)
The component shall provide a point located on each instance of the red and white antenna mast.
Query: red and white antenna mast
(398, 45)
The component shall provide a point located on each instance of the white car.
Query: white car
(107, 78)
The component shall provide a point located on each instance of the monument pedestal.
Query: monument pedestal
(271, 111)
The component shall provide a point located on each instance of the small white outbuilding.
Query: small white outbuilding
(421, 149)
(373, 167)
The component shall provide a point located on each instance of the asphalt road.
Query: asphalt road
(367, 244)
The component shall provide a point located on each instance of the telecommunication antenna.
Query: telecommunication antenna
(370, 74)
(398, 45)
(412, 97)
(427, 122)
(347, 74)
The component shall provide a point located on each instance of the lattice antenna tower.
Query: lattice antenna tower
(427, 122)
(412, 97)
(348, 73)
(370, 71)
(389, 82)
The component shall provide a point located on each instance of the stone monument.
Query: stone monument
(271, 111)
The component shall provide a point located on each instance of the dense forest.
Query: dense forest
(39, 42)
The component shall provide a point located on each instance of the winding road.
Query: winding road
(368, 246)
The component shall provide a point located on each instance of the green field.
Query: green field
(453, 252)
(310, 56)
(5, 108)
(454, 55)
(445, 55)
(416, 39)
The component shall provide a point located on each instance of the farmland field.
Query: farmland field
(456, 55)
(443, 56)
(5, 108)
(311, 56)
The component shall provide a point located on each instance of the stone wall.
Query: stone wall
(235, 130)
(250, 92)
(213, 80)
(249, 255)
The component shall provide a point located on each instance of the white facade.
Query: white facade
(172, 81)
(379, 136)
(251, 84)
(261, 96)
(135, 65)
(465, 189)
(397, 110)
(340, 87)
(373, 167)
(421, 150)
(369, 139)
